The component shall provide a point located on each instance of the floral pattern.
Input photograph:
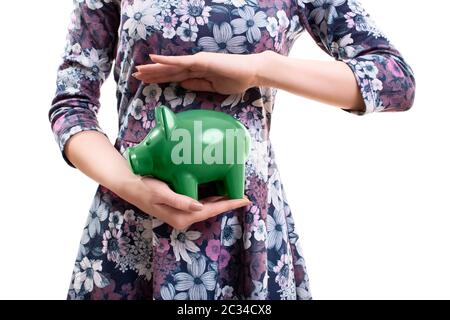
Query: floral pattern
(249, 253)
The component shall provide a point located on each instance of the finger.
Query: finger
(183, 60)
(167, 210)
(157, 69)
(197, 85)
(215, 208)
(159, 75)
(166, 78)
(178, 219)
(148, 74)
(181, 219)
(179, 201)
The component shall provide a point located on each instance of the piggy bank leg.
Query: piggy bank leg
(220, 187)
(235, 182)
(186, 184)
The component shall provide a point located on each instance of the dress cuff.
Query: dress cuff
(365, 73)
(64, 136)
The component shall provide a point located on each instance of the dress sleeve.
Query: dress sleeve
(91, 44)
(344, 30)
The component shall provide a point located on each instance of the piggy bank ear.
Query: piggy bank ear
(166, 119)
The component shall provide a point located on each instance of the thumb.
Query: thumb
(182, 60)
(197, 85)
(220, 206)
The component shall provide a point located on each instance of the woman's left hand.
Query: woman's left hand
(204, 71)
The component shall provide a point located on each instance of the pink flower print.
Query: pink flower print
(168, 22)
(283, 271)
(279, 4)
(349, 18)
(213, 249)
(265, 43)
(106, 293)
(224, 258)
(254, 210)
(193, 12)
(163, 246)
(265, 3)
(128, 291)
(210, 229)
(130, 228)
(114, 244)
(248, 116)
(394, 68)
(148, 120)
(257, 265)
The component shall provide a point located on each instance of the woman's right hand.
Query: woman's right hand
(93, 154)
(155, 198)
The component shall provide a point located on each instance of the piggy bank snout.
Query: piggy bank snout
(139, 160)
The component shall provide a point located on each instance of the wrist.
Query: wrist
(262, 72)
(125, 185)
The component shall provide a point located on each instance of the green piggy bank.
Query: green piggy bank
(192, 148)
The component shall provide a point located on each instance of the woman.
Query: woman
(143, 241)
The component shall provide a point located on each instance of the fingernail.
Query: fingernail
(197, 206)
(135, 74)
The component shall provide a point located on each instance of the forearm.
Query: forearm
(330, 82)
(93, 154)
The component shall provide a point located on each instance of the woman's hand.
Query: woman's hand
(93, 154)
(330, 82)
(154, 197)
(204, 71)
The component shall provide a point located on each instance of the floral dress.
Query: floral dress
(249, 253)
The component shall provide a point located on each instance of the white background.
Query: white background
(370, 194)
